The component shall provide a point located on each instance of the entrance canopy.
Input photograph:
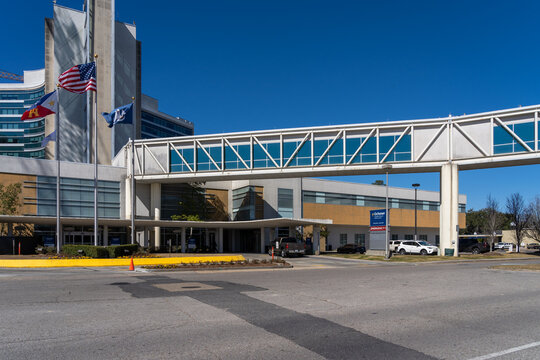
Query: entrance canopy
(251, 224)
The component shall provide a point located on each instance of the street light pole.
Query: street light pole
(386, 249)
(416, 185)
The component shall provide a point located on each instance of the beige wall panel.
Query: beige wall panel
(8, 179)
(359, 215)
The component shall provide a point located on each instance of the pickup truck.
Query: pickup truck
(287, 246)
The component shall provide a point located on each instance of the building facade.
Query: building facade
(73, 37)
(21, 138)
(157, 124)
(224, 216)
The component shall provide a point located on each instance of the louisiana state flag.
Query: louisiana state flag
(47, 105)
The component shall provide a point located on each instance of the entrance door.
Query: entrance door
(78, 238)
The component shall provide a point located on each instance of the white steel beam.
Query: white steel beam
(471, 140)
(155, 158)
(181, 157)
(208, 154)
(513, 134)
(395, 143)
(433, 139)
(297, 149)
(329, 147)
(265, 151)
(361, 146)
(235, 153)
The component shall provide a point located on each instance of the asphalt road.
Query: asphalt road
(323, 308)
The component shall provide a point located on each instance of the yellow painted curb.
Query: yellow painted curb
(114, 262)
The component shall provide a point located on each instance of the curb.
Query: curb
(220, 268)
(52, 263)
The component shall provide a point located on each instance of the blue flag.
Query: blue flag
(50, 137)
(123, 114)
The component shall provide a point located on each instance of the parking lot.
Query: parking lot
(322, 308)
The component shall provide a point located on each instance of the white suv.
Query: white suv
(416, 247)
(394, 244)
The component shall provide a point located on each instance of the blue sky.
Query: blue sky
(253, 65)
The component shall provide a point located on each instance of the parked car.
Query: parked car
(533, 246)
(473, 245)
(417, 247)
(394, 244)
(351, 249)
(288, 246)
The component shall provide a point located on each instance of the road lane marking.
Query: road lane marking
(508, 351)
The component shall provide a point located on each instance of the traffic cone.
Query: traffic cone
(131, 266)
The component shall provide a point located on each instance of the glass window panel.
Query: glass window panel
(525, 131)
(501, 136)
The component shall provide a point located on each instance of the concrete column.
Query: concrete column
(141, 238)
(220, 240)
(449, 225)
(127, 198)
(105, 235)
(155, 203)
(207, 237)
(263, 240)
(316, 240)
(183, 239)
(272, 235)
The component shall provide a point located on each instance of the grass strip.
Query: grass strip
(431, 258)
(528, 267)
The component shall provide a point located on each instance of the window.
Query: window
(342, 239)
(360, 239)
(437, 240)
(247, 203)
(422, 237)
(395, 236)
(77, 197)
(503, 142)
(285, 203)
(409, 237)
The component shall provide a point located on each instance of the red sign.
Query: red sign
(377, 228)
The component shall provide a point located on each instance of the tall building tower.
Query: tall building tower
(73, 37)
(156, 124)
(21, 138)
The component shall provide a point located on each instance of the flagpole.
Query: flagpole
(96, 164)
(133, 200)
(57, 155)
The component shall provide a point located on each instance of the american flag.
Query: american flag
(79, 78)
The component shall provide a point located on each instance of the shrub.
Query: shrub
(85, 250)
(45, 249)
(122, 250)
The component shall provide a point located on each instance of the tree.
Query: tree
(534, 222)
(193, 205)
(520, 215)
(10, 200)
(324, 232)
(493, 219)
(476, 220)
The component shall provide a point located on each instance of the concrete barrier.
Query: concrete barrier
(47, 263)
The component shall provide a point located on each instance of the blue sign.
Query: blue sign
(115, 241)
(48, 241)
(377, 219)
(192, 243)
